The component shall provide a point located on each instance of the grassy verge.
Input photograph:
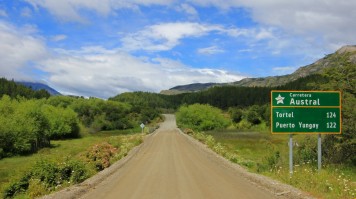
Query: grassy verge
(267, 154)
(90, 154)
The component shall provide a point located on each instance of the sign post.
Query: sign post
(290, 154)
(305, 112)
(142, 127)
(319, 152)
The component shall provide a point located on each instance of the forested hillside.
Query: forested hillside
(40, 86)
(222, 97)
(14, 89)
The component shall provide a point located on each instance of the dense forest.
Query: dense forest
(14, 89)
(223, 97)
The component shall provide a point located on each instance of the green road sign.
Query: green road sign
(305, 112)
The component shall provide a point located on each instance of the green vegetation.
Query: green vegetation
(28, 125)
(267, 154)
(201, 117)
(248, 142)
(342, 76)
(98, 114)
(65, 163)
(34, 124)
(47, 143)
(149, 105)
(14, 89)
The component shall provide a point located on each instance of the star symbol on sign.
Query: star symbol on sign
(280, 99)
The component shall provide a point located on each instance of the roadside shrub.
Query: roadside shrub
(199, 136)
(201, 117)
(128, 143)
(46, 176)
(36, 188)
(307, 151)
(243, 125)
(219, 149)
(17, 187)
(47, 172)
(100, 154)
(210, 141)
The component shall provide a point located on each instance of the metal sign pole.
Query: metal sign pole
(290, 154)
(142, 127)
(305, 112)
(319, 152)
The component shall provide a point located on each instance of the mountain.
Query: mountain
(314, 68)
(38, 86)
(188, 88)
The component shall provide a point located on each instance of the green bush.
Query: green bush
(46, 176)
(201, 117)
(36, 188)
(236, 114)
(243, 125)
(253, 116)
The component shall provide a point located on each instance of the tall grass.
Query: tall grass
(12, 169)
(267, 154)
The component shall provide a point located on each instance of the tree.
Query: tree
(342, 77)
(236, 114)
(63, 122)
(254, 114)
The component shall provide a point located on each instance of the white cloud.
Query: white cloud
(330, 23)
(164, 36)
(18, 50)
(210, 50)
(188, 9)
(95, 71)
(70, 10)
(59, 38)
(264, 33)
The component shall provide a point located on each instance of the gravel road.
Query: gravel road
(170, 164)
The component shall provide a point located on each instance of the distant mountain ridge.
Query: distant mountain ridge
(38, 86)
(272, 81)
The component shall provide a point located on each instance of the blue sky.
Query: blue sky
(104, 47)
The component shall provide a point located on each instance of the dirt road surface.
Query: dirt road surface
(169, 166)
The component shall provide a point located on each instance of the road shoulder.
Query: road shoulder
(277, 188)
